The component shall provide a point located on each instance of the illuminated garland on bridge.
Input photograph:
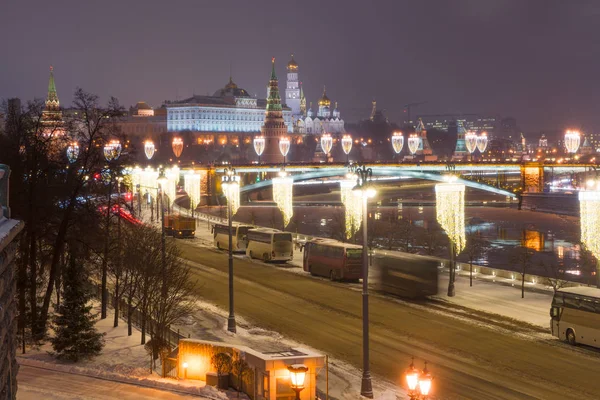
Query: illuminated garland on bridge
(589, 203)
(191, 185)
(352, 207)
(450, 211)
(282, 196)
(172, 175)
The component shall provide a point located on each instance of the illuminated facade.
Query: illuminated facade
(229, 110)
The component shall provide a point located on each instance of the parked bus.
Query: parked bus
(269, 245)
(575, 315)
(239, 236)
(332, 259)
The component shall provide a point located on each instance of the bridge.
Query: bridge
(486, 176)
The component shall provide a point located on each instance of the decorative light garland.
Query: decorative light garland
(450, 211)
(471, 141)
(72, 152)
(170, 189)
(572, 141)
(112, 150)
(352, 207)
(326, 143)
(259, 145)
(347, 144)
(413, 143)
(149, 149)
(191, 185)
(283, 196)
(482, 142)
(398, 142)
(589, 203)
(177, 146)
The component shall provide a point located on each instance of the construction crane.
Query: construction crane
(409, 106)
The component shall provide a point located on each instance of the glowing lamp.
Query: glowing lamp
(326, 143)
(352, 206)
(589, 203)
(149, 149)
(259, 145)
(450, 212)
(177, 146)
(413, 143)
(230, 182)
(482, 142)
(283, 196)
(572, 141)
(297, 377)
(284, 146)
(72, 152)
(412, 377)
(347, 144)
(425, 382)
(471, 142)
(397, 142)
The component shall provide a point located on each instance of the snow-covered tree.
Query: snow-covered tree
(75, 334)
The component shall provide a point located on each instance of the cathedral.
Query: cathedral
(305, 121)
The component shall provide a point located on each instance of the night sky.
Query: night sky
(537, 61)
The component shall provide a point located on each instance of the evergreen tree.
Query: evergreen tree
(75, 334)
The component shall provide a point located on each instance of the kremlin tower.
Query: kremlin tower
(460, 150)
(424, 147)
(274, 127)
(52, 120)
(292, 90)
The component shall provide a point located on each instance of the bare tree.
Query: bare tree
(555, 274)
(431, 239)
(475, 247)
(524, 258)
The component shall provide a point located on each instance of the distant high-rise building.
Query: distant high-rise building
(471, 122)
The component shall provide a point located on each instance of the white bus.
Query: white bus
(575, 315)
(270, 245)
(239, 236)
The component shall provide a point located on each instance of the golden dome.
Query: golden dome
(292, 65)
(324, 100)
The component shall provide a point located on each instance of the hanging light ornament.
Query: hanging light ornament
(471, 140)
(170, 187)
(326, 143)
(191, 185)
(177, 146)
(482, 142)
(259, 146)
(231, 189)
(284, 147)
(450, 211)
(413, 143)
(149, 149)
(112, 150)
(72, 152)
(352, 206)
(135, 175)
(572, 141)
(347, 144)
(283, 196)
(589, 203)
(398, 142)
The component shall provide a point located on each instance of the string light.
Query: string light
(572, 141)
(471, 141)
(398, 142)
(259, 145)
(482, 142)
(149, 149)
(282, 196)
(284, 146)
(450, 212)
(589, 203)
(413, 143)
(352, 207)
(177, 146)
(170, 187)
(191, 185)
(326, 143)
(112, 150)
(347, 144)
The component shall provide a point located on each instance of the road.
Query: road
(39, 383)
(473, 355)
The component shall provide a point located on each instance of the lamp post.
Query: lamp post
(418, 382)
(297, 376)
(162, 180)
(112, 151)
(363, 188)
(228, 180)
(118, 274)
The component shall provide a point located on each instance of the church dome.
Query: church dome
(292, 65)
(231, 90)
(142, 105)
(324, 100)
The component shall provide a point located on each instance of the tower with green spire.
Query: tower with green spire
(52, 113)
(273, 127)
(302, 102)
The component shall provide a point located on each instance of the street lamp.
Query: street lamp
(347, 146)
(112, 151)
(229, 182)
(364, 189)
(397, 142)
(162, 181)
(297, 376)
(326, 144)
(418, 382)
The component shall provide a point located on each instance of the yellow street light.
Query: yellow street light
(297, 376)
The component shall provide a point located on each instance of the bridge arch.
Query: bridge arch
(333, 172)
